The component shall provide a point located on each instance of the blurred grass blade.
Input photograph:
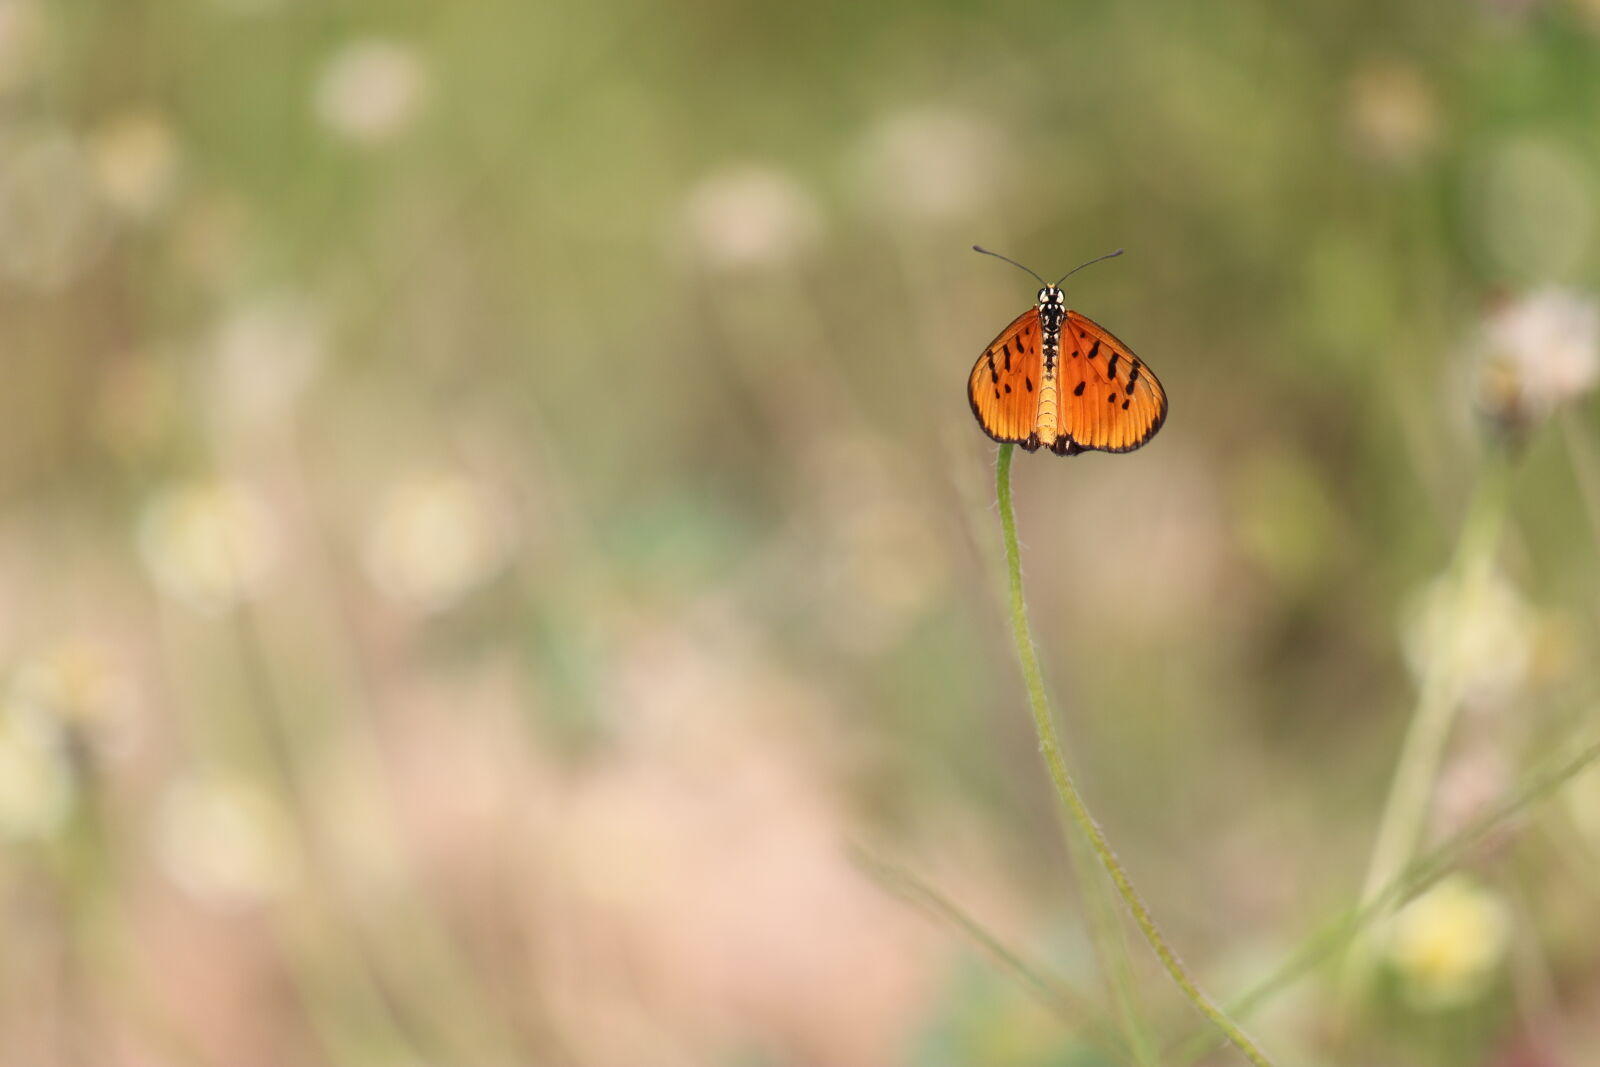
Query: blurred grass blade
(1438, 699)
(1072, 1006)
(1110, 942)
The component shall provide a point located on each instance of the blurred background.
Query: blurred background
(497, 568)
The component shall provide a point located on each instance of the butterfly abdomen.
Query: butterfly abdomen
(1051, 314)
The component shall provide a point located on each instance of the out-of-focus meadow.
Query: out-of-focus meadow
(497, 568)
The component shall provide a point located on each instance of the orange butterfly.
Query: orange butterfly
(1057, 379)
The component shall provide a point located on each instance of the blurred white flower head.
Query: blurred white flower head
(208, 545)
(36, 780)
(1538, 352)
(933, 163)
(1393, 116)
(434, 538)
(1484, 637)
(750, 216)
(266, 353)
(21, 23)
(135, 157)
(371, 91)
(223, 840)
(52, 224)
(1446, 944)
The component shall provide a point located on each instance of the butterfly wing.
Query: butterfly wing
(1109, 399)
(1005, 382)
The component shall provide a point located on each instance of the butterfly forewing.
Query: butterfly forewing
(1006, 381)
(1109, 399)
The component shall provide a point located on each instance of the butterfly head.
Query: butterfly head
(1052, 306)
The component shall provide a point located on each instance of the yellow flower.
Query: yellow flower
(135, 160)
(1392, 114)
(1446, 944)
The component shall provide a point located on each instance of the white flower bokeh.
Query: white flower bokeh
(371, 91)
(265, 353)
(209, 545)
(434, 538)
(932, 164)
(1482, 639)
(222, 840)
(1547, 344)
(750, 215)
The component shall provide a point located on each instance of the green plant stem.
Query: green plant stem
(1071, 799)
(1438, 698)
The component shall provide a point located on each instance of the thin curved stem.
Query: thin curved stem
(1072, 800)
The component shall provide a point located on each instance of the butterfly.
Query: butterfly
(1057, 379)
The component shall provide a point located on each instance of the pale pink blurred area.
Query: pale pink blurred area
(684, 893)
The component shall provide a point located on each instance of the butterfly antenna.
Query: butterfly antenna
(1008, 259)
(1080, 266)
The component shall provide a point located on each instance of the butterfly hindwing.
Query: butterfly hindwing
(1006, 380)
(1109, 399)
